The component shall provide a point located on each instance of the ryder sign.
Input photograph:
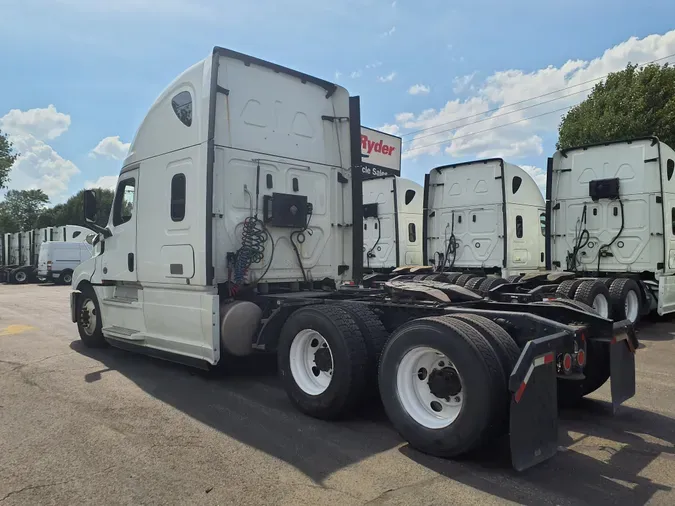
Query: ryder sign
(380, 153)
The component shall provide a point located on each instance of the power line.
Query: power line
(528, 99)
(495, 116)
(488, 129)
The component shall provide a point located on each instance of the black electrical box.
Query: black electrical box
(604, 189)
(370, 210)
(285, 210)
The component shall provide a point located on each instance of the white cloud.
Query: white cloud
(485, 124)
(419, 89)
(40, 123)
(338, 74)
(462, 82)
(539, 176)
(389, 129)
(393, 4)
(388, 78)
(374, 65)
(38, 164)
(111, 147)
(356, 74)
(107, 182)
(389, 32)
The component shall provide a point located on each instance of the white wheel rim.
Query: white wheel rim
(601, 305)
(631, 305)
(88, 317)
(306, 365)
(20, 276)
(415, 394)
(67, 279)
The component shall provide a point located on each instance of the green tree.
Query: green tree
(630, 103)
(70, 212)
(7, 158)
(21, 208)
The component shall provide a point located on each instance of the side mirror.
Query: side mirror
(90, 206)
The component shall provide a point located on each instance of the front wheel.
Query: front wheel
(89, 322)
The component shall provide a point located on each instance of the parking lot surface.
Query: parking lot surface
(81, 426)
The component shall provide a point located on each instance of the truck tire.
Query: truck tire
(374, 335)
(491, 283)
(513, 278)
(65, 278)
(475, 284)
(596, 373)
(568, 288)
(607, 281)
(595, 294)
(624, 295)
(452, 277)
(323, 384)
(506, 348)
(425, 368)
(462, 279)
(577, 305)
(420, 277)
(19, 277)
(435, 277)
(89, 322)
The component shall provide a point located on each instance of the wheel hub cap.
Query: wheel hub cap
(444, 383)
(323, 360)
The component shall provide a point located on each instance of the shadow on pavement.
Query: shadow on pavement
(251, 407)
(611, 476)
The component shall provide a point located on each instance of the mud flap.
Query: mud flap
(622, 363)
(534, 403)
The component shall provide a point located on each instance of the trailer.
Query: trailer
(392, 223)
(236, 228)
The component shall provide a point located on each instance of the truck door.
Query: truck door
(119, 262)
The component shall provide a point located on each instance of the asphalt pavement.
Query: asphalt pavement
(80, 426)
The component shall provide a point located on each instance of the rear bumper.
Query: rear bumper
(534, 396)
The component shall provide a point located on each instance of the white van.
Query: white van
(58, 260)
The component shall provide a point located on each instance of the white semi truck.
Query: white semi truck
(236, 227)
(483, 218)
(392, 223)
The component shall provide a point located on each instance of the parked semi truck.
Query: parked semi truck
(609, 242)
(392, 223)
(236, 227)
(24, 250)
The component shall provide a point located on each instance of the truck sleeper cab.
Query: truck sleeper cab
(392, 223)
(609, 239)
(483, 218)
(236, 227)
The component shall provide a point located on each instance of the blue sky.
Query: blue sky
(102, 63)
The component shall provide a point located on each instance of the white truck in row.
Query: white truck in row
(24, 254)
(605, 237)
(237, 227)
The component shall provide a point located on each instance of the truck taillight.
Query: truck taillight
(49, 265)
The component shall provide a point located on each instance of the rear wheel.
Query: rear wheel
(19, 276)
(568, 288)
(420, 277)
(491, 283)
(475, 283)
(89, 323)
(624, 295)
(463, 279)
(442, 386)
(594, 293)
(323, 361)
(65, 278)
(513, 278)
(452, 277)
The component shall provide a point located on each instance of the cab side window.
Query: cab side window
(124, 201)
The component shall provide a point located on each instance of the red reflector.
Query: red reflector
(567, 362)
(583, 337)
(520, 391)
(548, 358)
(581, 357)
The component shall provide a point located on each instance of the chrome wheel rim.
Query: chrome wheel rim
(88, 317)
